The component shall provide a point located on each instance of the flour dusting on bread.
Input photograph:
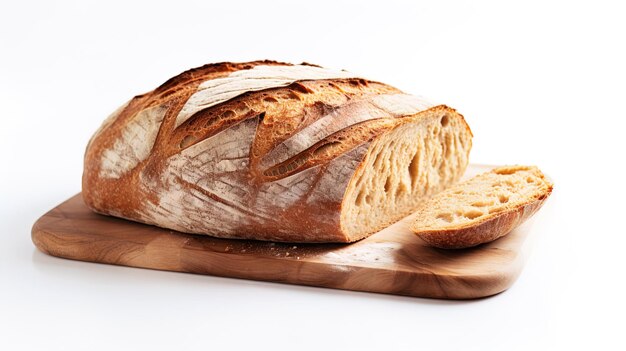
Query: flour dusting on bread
(271, 151)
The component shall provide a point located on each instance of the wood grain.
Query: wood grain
(393, 261)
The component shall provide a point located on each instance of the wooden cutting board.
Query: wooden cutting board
(392, 261)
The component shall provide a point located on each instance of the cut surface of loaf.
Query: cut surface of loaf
(483, 208)
(272, 151)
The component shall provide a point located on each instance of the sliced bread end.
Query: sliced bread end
(483, 208)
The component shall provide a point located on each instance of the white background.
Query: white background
(539, 82)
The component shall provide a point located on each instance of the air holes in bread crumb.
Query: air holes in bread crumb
(436, 131)
(495, 209)
(445, 120)
(482, 203)
(300, 88)
(447, 146)
(359, 198)
(414, 168)
(187, 141)
(377, 160)
(446, 217)
(290, 95)
(388, 185)
(270, 99)
(503, 199)
(511, 170)
(326, 149)
(228, 114)
(472, 214)
(401, 190)
(241, 109)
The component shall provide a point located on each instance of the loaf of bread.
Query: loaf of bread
(273, 151)
(482, 209)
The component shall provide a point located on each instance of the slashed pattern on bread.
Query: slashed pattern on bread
(272, 151)
(482, 208)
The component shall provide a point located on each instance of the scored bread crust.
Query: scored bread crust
(489, 227)
(257, 150)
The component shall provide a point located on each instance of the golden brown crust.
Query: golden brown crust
(148, 164)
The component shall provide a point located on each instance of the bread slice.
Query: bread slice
(483, 208)
(272, 151)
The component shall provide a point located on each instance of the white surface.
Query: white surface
(539, 82)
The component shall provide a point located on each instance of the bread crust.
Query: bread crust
(487, 228)
(271, 162)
